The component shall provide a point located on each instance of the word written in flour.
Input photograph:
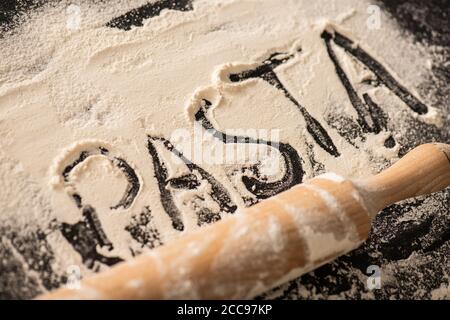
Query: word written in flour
(232, 309)
(198, 311)
(136, 17)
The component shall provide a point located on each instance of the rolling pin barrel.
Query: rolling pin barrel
(424, 170)
(272, 242)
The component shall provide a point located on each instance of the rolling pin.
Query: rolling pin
(272, 242)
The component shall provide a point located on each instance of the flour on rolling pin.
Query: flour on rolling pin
(117, 130)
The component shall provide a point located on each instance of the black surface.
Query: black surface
(427, 237)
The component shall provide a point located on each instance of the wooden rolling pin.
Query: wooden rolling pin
(272, 242)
